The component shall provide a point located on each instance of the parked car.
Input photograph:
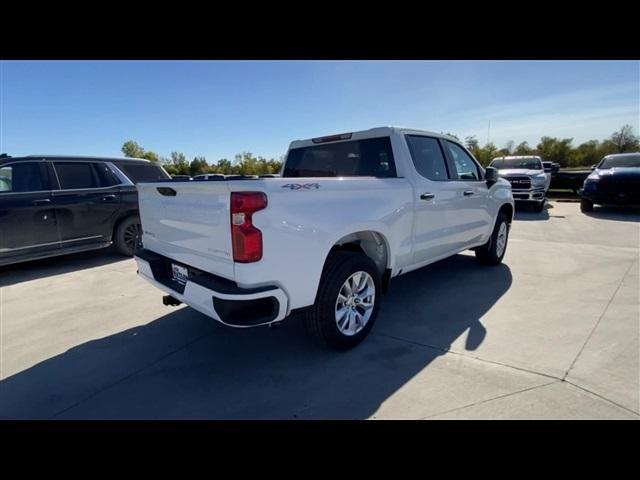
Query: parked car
(183, 178)
(209, 176)
(350, 212)
(54, 205)
(550, 167)
(527, 177)
(569, 179)
(615, 180)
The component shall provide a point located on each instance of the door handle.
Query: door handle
(468, 193)
(42, 201)
(111, 196)
(427, 196)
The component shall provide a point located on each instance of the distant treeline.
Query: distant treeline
(552, 149)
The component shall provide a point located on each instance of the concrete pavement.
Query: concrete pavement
(552, 333)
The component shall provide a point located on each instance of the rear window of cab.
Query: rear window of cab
(372, 157)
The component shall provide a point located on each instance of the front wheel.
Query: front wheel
(347, 302)
(128, 234)
(586, 205)
(492, 252)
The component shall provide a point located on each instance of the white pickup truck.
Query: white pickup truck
(349, 213)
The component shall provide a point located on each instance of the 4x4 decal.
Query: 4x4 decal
(301, 186)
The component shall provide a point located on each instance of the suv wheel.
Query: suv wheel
(492, 252)
(128, 234)
(347, 302)
(586, 205)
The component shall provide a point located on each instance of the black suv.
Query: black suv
(54, 205)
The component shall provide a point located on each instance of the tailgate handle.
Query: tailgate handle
(167, 191)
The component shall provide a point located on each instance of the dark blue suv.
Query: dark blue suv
(54, 205)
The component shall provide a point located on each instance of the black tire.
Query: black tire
(487, 254)
(538, 207)
(321, 318)
(127, 236)
(586, 205)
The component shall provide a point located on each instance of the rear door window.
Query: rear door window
(372, 157)
(76, 175)
(23, 177)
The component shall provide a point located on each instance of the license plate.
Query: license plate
(179, 274)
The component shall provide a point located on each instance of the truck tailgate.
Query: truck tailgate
(188, 222)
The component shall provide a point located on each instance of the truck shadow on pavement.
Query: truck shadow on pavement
(524, 212)
(186, 366)
(47, 267)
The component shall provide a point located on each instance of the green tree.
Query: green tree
(587, 153)
(555, 150)
(149, 155)
(223, 166)
(471, 143)
(624, 140)
(198, 166)
(178, 164)
(132, 150)
(523, 149)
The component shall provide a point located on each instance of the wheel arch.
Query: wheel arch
(373, 244)
(508, 210)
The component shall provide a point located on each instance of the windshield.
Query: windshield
(626, 161)
(525, 163)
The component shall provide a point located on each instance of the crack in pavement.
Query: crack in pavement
(480, 402)
(480, 359)
(637, 414)
(566, 374)
(484, 360)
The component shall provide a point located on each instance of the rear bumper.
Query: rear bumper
(215, 296)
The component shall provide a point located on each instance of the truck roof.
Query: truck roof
(627, 154)
(362, 134)
(75, 157)
(518, 157)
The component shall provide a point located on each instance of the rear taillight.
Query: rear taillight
(246, 239)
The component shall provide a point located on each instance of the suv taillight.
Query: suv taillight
(246, 239)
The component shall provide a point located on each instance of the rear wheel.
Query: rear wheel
(586, 205)
(492, 252)
(128, 236)
(347, 302)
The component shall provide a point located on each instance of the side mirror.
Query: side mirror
(491, 175)
(593, 167)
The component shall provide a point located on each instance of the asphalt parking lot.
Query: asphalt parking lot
(552, 333)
